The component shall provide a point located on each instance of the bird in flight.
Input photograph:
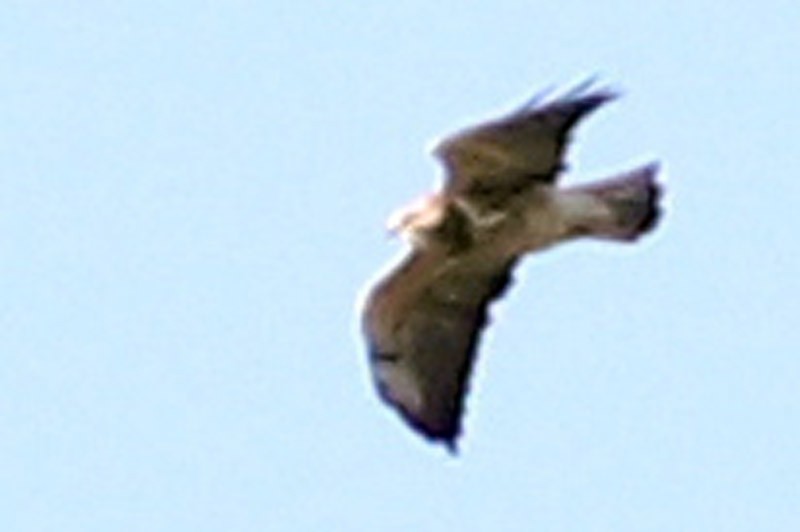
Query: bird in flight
(500, 200)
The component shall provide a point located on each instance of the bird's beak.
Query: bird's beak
(395, 224)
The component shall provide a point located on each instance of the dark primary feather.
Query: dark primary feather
(423, 325)
(527, 145)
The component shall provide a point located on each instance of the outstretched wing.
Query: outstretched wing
(423, 324)
(510, 152)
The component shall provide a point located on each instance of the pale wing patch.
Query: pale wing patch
(400, 385)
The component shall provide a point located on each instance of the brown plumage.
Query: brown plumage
(499, 202)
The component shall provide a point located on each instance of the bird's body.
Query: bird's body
(423, 321)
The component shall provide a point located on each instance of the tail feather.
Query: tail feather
(631, 203)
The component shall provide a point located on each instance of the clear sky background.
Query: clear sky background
(192, 194)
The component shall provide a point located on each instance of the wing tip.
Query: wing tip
(447, 436)
(444, 430)
(452, 446)
(591, 85)
(568, 108)
(581, 99)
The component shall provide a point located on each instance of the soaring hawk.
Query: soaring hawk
(500, 201)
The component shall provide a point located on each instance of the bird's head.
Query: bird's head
(418, 219)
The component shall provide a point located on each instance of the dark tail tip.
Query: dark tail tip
(652, 193)
(634, 201)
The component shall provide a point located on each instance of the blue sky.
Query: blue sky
(192, 195)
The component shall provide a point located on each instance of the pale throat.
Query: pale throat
(424, 214)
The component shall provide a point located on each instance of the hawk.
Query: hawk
(500, 200)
